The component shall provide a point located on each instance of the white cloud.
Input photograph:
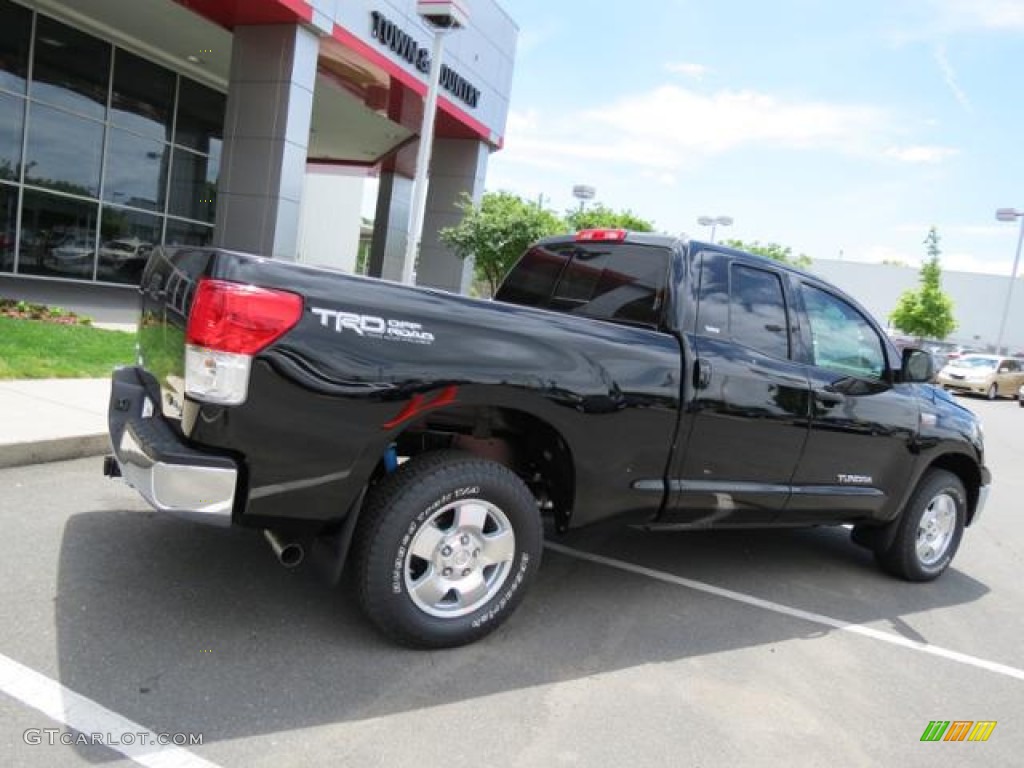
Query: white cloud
(684, 121)
(969, 262)
(955, 261)
(985, 230)
(670, 127)
(689, 69)
(995, 229)
(663, 177)
(951, 261)
(987, 14)
(941, 19)
(921, 154)
(949, 75)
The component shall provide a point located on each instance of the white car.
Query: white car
(72, 256)
(124, 258)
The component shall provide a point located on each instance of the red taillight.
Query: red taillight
(601, 235)
(243, 319)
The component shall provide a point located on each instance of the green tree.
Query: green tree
(772, 251)
(926, 312)
(599, 216)
(497, 232)
(363, 252)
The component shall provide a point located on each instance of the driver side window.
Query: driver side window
(843, 340)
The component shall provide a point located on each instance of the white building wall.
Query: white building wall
(332, 203)
(978, 299)
(483, 52)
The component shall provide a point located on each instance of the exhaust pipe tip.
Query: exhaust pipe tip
(288, 553)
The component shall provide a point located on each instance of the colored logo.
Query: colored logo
(958, 730)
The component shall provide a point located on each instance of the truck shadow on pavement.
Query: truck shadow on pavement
(184, 628)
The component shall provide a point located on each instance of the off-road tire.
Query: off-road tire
(411, 519)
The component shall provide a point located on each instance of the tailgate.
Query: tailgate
(168, 286)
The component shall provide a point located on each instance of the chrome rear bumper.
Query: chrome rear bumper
(156, 460)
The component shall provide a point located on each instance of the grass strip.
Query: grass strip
(34, 349)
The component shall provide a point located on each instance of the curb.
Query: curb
(60, 449)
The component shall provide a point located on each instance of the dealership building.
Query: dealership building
(245, 124)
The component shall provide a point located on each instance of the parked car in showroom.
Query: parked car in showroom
(72, 256)
(123, 258)
(990, 375)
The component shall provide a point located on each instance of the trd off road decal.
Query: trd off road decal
(372, 326)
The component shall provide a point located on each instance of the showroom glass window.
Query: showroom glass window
(15, 33)
(104, 154)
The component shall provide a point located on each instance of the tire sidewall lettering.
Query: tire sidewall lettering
(489, 613)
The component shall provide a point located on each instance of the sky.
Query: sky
(839, 129)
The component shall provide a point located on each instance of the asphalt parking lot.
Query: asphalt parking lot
(633, 649)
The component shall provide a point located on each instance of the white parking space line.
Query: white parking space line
(817, 618)
(87, 717)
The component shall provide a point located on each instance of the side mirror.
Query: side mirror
(918, 367)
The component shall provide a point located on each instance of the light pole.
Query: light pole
(714, 223)
(441, 17)
(1009, 214)
(583, 192)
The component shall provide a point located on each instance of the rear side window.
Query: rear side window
(622, 282)
(744, 304)
(757, 311)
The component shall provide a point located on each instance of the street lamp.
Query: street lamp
(714, 223)
(441, 17)
(1009, 214)
(583, 192)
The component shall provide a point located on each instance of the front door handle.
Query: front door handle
(702, 373)
(828, 398)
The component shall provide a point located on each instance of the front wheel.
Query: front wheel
(447, 547)
(992, 392)
(929, 530)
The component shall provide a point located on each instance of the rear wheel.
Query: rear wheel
(447, 547)
(929, 530)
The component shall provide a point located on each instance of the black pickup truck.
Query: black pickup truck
(420, 436)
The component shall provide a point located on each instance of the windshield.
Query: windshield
(976, 362)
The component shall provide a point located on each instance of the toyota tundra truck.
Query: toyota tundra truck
(426, 442)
